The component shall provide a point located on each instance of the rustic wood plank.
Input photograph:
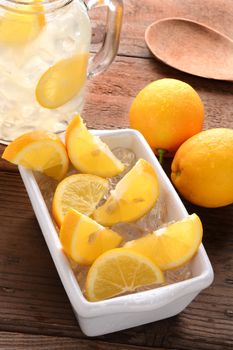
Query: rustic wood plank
(109, 97)
(138, 15)
(211, 313)
(31, 296)
(32, 299)
(20, 341)
(4, 165)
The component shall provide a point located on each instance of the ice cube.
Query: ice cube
(67, 45)
(128, 158)
(155, 218)
(32, 69)
(182, 273)
(47, 187)
(128, 231)
(81, 274)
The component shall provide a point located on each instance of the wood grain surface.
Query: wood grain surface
(35, 311)
(140, 14)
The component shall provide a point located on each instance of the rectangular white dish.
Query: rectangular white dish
(97, 318)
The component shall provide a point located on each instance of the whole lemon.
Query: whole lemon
(202, 169)
(167, 112)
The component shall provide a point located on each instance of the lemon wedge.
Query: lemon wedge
(172, 246)
(17, 28)
(84, 240)
(81, 192)
(41, 151)
(61, 82)
(120, 271)
(135, 194)
(88, 153)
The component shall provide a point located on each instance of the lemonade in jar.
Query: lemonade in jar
(44, 61)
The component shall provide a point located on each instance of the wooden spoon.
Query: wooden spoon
(191, 47)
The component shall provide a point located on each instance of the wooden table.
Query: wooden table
(35, 311)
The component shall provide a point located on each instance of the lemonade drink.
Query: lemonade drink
(30, 44)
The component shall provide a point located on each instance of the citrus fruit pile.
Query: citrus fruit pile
(85, 211)
(170, 114)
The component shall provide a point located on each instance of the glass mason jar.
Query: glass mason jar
(44, 61)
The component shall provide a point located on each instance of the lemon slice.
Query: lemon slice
(84, 240)
(171, 246)
(17, 28)
(88, 153)
(61, 82)
(120, 271)
(135, 194)
(81, 192)
(41, 151)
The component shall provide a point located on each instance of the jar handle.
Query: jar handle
(108, 51)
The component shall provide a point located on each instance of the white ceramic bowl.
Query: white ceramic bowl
(96, 318)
